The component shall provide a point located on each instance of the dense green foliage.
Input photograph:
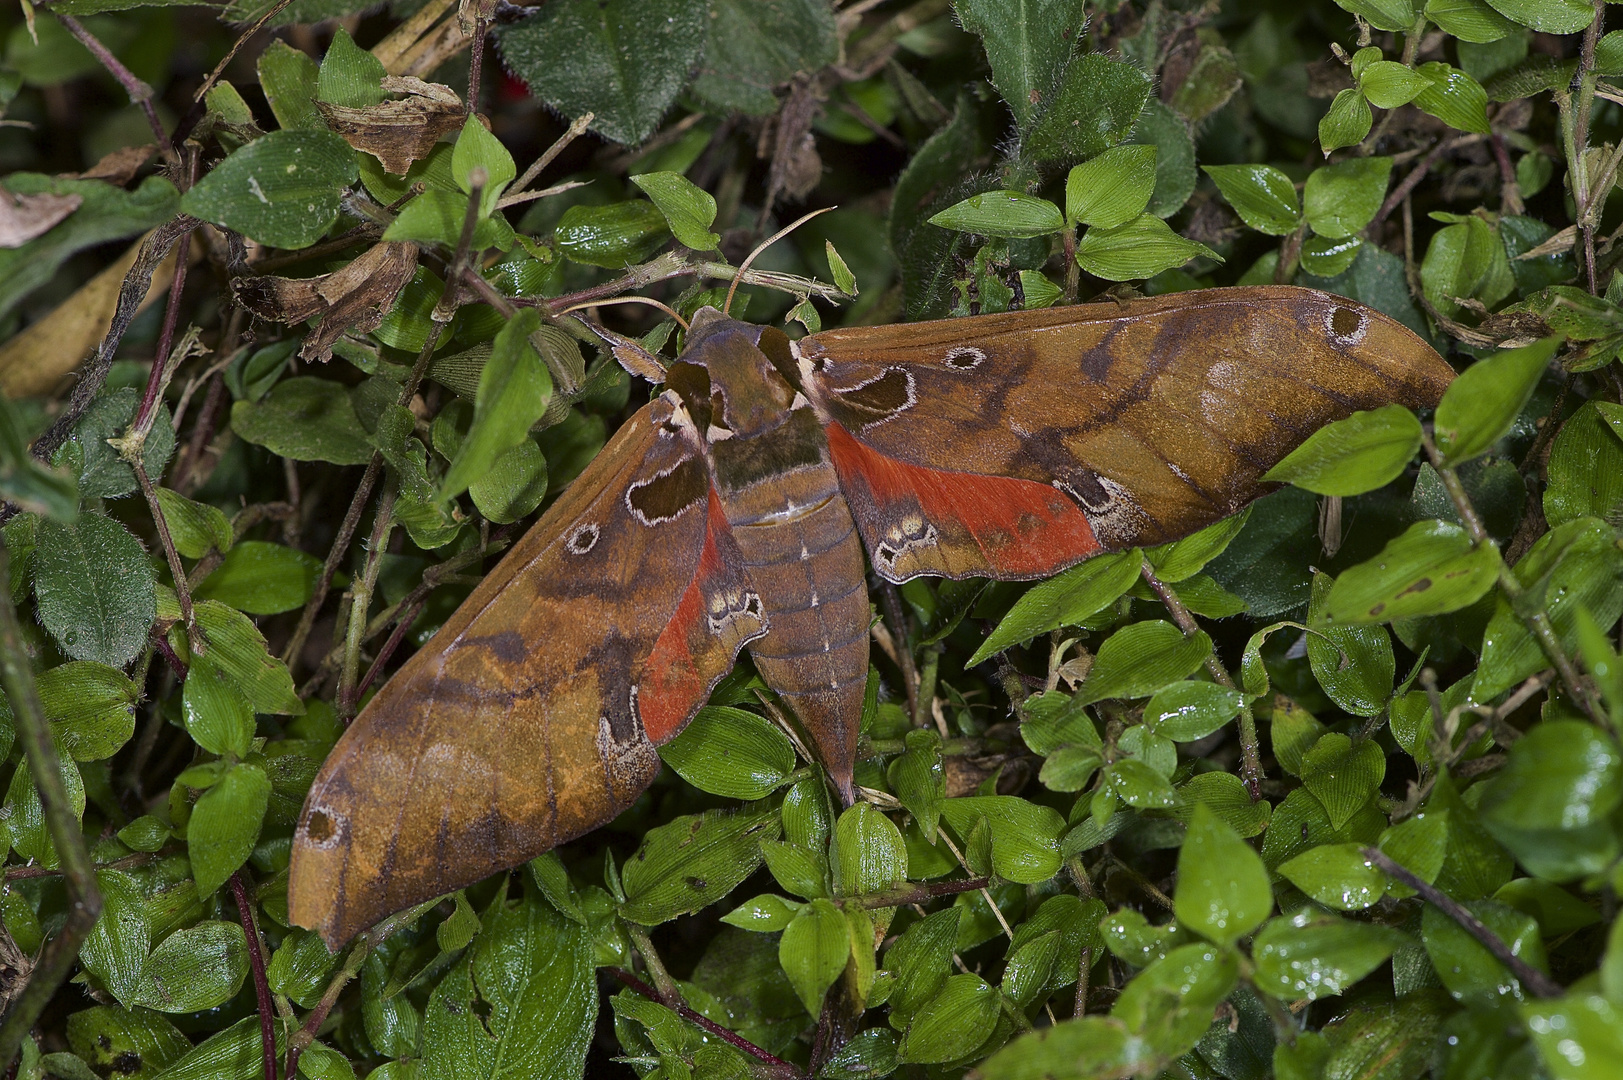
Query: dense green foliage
(1331, 790)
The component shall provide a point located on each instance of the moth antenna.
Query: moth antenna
(683, 323)
(762, 246)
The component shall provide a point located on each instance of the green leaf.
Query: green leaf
(1170, 1003)
(1111, 189)
(1354, 664)
(1064, 600)
(611, 236)
(1579, 1037)
(694, 861)
(1467, 969)
(1027, 43)
(953, 1023)
(195, 527)
(95, 589)
(289, 79)
(1263, 196)
(91, 708)
(237, 648)
(1339, 200)
(1469, 20)
(1324, 257)
(872, 853)
(1310, 955)
(23, 817)
(752, 47)
(118, 944)
(1002, 213)
(106, 1037)
(1141, 248)
(1225, 795)
(1454, 98)
(1343, 775)
(1024, 835)
(306, 419)
(688, 209)
(1160, 126)
(523, 1005)
(1431, 569)
(622, 60)
(1336, 875)
(514, 390)
(262, 578)
(218, 717)
(225, 825)
(106, 474)
(350, 75)
(106, 213)
(1182, 559)
(731, 752)
(1389, 85)
(1090, 1047)
(1346, 123)
(1419, 845)
(1577, 567)
(514, 486)
(1095, 107)
(918, 780)
(195, 969)
(1190, 710)
(1466, 260)
(813, 951)
(844, 279)
(1586, 466)
(1140, 659)
(1564, 774)
(1223, 891)
(1392, 15)
(301, 967)
(1365, 451)
(437, 217)
(1481, 404)
(282, 189)
(1548, 16)
(764, 914)
(477, 148)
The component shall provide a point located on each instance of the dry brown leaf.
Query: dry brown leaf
(23, 217)
(353, 298)
(398, 132)
(120, 166)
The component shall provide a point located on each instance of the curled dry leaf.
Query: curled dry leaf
(120, 166)
(356, 297)
(402, 131)
(23, 217)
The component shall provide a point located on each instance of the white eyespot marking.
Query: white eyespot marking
(1117, 519)
(323, 827)
(730, 609)
(912, 533)
(1346, 326)
(799, 402)
(583, 539)
(814, 600)
(964, 358)
(885, 396)
(716, 434)
(804, 554)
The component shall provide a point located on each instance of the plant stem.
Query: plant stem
(1250, 743)
(361, 600)
(779, 1066)
(1536, 981)
(84, 900)
(256, 964)
(183, 592)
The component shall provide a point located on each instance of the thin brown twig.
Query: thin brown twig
(199, 108)
(732, 1038)
(1536, 981)
(256, 964)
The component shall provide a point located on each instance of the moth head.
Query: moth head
(748, 393)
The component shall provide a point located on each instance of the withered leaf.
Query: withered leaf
(401, 131)
(23, 217)
(353, 298)
(120, 166)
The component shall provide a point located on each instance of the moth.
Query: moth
(742, 507)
